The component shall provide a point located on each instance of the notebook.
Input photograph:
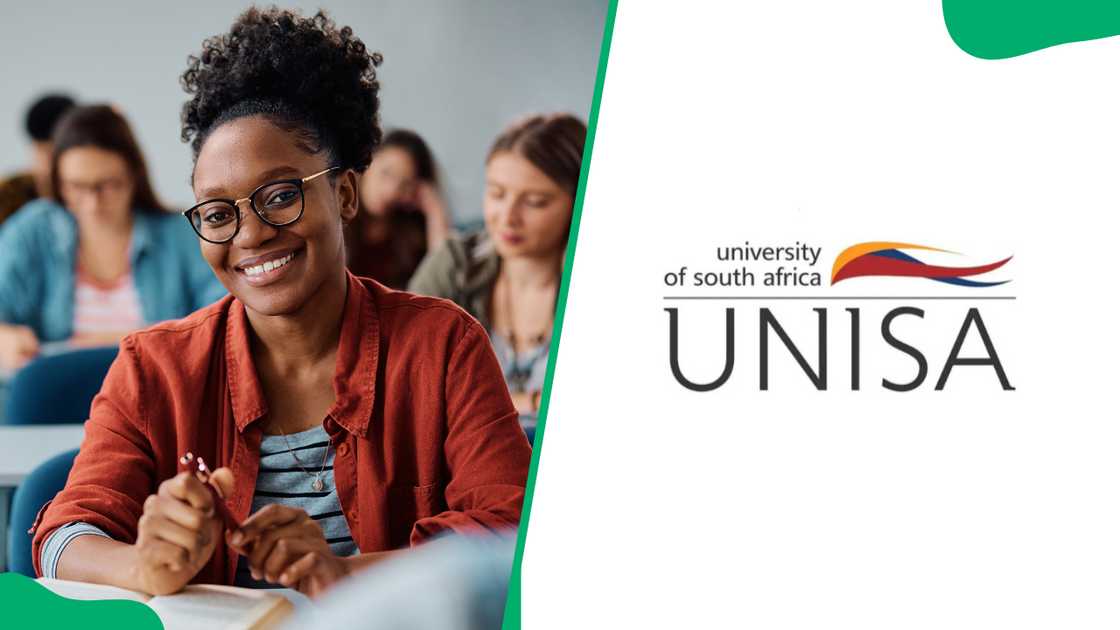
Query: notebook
(198, 606)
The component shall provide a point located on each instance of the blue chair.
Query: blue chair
(57, 389)
(37, 488)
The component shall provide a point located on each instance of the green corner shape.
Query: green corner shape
(999, 29)
(24, 603)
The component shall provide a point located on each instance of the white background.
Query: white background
(836, 123)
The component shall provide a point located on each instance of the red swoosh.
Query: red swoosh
(871, 265)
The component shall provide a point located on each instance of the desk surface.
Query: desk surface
(22, 448)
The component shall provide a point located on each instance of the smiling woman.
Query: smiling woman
(347, 420)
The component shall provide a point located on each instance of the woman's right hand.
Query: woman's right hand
(18, 346)
(178, 531)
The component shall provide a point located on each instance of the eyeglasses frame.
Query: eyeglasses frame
(236, 204)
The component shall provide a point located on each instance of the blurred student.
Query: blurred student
(453, 583)
(101, 258)
(18, 189)
(509, 276)
(401, 215)
(345, 421)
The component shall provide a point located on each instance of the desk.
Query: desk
(22, 448)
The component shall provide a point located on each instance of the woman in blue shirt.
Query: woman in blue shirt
(101, 259)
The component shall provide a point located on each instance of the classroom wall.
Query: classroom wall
(455, 71)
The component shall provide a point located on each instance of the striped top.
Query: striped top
(524, 371)
(281, 480)
(105, 307)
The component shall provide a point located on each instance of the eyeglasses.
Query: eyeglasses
(98, 188)
(278, 203)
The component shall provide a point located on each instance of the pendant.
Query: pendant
(317, 485)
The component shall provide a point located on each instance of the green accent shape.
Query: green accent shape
(24, 603)
(512, 618)
(998, 29)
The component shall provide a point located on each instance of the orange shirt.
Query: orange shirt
(426, 437)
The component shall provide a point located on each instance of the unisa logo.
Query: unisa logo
(873, 262)
(888, 259)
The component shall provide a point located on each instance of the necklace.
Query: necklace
(318, 484)
(517, 373)
(536, 339)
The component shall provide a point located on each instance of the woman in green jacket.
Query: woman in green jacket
(508, 276)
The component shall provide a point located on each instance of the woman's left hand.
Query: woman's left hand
(284, 546)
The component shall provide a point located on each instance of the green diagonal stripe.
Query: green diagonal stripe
(998, 29)
(512, 619)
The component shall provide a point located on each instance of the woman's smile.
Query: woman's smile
(259, 271)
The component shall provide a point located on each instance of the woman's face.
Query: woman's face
(238, 157)
(96, 186)
(391, 178)
(526, 212)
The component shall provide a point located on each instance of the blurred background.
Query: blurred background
(455, 71)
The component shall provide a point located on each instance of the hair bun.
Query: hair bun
(302, 72)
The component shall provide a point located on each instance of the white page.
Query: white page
(87, 591)
(210, 607)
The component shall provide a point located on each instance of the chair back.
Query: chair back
(37, 488)
(57, 389)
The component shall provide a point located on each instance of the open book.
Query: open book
(208, 607)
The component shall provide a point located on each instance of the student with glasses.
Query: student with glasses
(101, 258)
(343, 421)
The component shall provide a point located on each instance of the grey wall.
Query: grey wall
(455, 71)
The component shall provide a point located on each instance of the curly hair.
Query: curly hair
(305, 75)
